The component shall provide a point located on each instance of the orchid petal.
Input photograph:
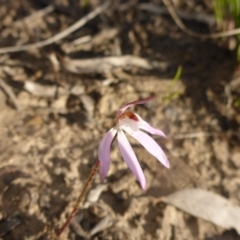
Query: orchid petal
(152, 130)
(150, 145)
(130, 158)
(141, 101)
(148, 128)
(104, 152)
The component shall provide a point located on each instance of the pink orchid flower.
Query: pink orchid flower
(133, 124)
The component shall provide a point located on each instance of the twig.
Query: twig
(181, 25)
(207, 19)
(47, 91)
(36, 15)
(10, 93)
(108, 64)
(87, 42)
(58, 36)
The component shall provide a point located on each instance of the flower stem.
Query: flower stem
(80, 198)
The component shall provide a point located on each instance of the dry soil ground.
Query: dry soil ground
(49, 144)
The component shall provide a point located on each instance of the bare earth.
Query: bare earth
(49, 144)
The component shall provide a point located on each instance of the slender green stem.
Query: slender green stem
(80, 198)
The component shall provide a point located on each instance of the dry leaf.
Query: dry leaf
(206, 205)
